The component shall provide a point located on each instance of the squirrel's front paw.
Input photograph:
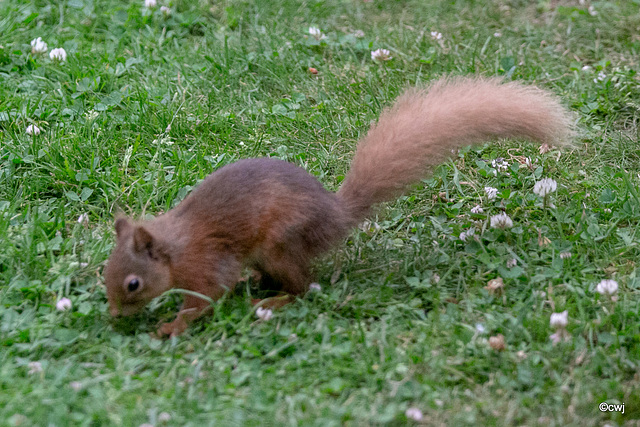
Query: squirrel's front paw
(172, 329)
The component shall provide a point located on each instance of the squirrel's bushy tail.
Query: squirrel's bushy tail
(423, 126)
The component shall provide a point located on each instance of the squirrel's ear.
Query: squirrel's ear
(122, 224)
(143, 241)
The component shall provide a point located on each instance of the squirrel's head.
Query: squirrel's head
(137, 271)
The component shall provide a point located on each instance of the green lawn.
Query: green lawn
(147, 104)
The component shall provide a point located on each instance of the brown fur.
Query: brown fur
(274, 217)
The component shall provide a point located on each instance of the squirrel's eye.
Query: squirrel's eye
(133, 285)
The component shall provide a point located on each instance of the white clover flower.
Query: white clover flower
(414, 414)
(607, 287)
(75, 385)
(381, 55)
(466, 234)
(501, 221)
(601, 77)
(491, 192)
(607, 210)
(497, 34)
(58, 54)
(586, 68)
(63, 304)
(528, 163)
(264, 313)
(358, 34)
(565, 255)
(35, 368)
(150, 3)
(500, 164)
(91, 115)
(436, 35)
(315, 287)
(512, 263)
(166, 11)
(480, 328)
(559, 320)
(32, 130)
(592, 11)
(83, 218)
(164, 417)
(545, 186)
(477, 209)
(38, 46)
(316, 33)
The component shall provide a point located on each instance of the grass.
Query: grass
(146, 106)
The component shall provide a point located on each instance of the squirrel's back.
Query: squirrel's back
(264, 201)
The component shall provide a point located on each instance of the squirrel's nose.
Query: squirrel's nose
(115, 312)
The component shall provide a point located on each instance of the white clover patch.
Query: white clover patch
(316, 33)
(315, 287)
(414, 414)
(545, 186)
(502, 221)
(559, 322)
(491, 192)
(608, 288)
(500, 164)
(380, 55)
(38, 46)
(264, 313)
(58, 54)
(466, 234)
(63, 304)
(477, 209)
(32, 130)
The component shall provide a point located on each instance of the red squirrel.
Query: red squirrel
(274, 217)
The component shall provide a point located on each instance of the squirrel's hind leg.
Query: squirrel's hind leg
(286, 274)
